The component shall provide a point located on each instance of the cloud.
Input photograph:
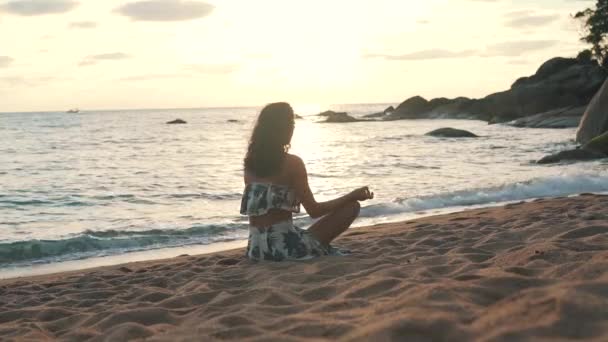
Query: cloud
(83, 24)
(504, 49)
(94, 59)
(523, 19)
(517, 48)
(165, 10)
(5, 61)
(425, 55)
(38, 7)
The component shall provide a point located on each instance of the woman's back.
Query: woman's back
(279, 188)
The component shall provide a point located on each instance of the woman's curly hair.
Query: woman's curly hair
(270, 140)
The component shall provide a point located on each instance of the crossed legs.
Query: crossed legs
(333, 224)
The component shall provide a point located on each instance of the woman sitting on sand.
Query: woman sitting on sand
(276, 183)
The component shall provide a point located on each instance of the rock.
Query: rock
(176, 121)
(598, 144)
(546, 70)
(329, 113)
(558, 118)
(572, 155)
(375, 115)
(340, 118)
(450, 108)
(337, 117)
(232, 120)
(451, 133)
(595, 120)
(412, 108)
(387, 111)
(558, 83)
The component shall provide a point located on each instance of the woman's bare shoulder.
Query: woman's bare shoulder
(293, 161)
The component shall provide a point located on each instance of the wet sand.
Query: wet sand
(526, 271)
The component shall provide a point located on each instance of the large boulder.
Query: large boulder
(598, 144)
(595, 119)
(558, 118)
(449, 132)
(558, 83)
(579, 154)
(412, 108)
(546, 70)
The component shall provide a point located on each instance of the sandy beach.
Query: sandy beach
(526, 271)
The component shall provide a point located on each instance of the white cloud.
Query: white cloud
(165, 10)
(527, 20)
(504, 49)
(38, 7)
(518, 48)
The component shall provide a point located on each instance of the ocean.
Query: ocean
(106, 185)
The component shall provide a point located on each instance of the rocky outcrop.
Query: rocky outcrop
(419, 108)
(451, 133)
(375, 115)
(411, 108)
(558, 118)
(387, 111)
(176, 122)
(337, 117)
(595, 119)
(329, 113)
(579, 154)
(558, 83)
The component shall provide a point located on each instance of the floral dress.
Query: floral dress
(283, 240)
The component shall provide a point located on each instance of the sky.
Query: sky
(118, 54)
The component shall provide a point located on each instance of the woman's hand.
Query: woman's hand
(362, 194)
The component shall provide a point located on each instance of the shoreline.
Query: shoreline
(532, 270)
(166, 253)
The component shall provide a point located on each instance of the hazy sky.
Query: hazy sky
(103, 54)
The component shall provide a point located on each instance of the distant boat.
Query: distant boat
(73, 111)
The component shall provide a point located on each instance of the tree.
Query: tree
(595, 23)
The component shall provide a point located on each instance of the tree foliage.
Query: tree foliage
(595, 22)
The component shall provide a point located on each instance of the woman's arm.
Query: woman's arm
(317, 209)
